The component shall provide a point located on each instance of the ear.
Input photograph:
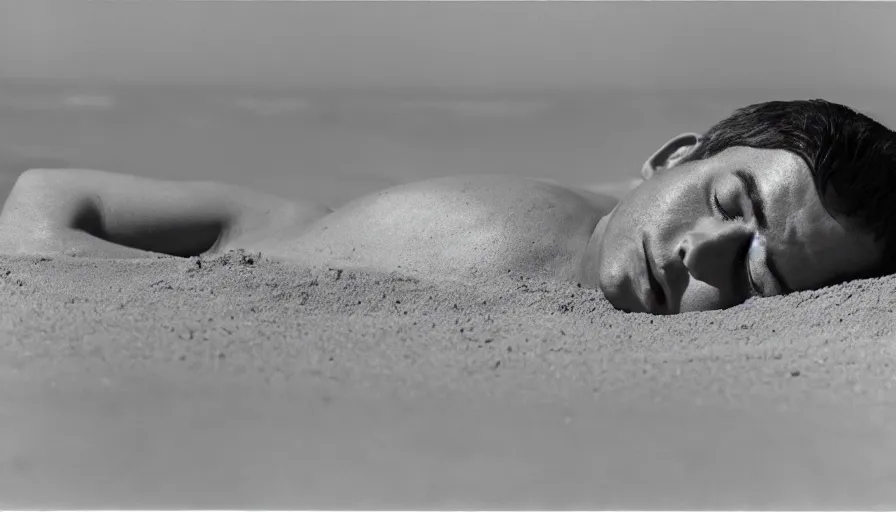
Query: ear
(670, 154)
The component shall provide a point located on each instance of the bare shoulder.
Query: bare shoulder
(501, 194)
(459, 202)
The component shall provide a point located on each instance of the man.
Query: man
(780, 196)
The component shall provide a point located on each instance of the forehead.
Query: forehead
(812, 248)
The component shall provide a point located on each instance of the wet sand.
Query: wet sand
(242, 382)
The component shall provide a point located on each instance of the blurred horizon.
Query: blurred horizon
(328, 101)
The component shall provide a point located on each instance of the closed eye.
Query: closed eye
(720, 209)
(743, 260)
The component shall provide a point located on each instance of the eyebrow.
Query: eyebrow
(758, 206)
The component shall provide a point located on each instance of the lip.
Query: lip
(657, 284)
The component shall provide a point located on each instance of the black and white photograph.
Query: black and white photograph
(445, 255)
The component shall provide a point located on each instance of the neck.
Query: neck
(589, 268)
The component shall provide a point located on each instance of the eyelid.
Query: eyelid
(767, 274)
(718, 208)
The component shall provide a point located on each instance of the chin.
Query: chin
(616, 288)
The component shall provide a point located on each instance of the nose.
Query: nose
(709, 249)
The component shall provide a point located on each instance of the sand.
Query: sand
(243, 382)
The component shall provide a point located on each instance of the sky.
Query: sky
(502, 45)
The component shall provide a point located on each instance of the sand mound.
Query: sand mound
(239, 381)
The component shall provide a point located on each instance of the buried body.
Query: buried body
(778, 197)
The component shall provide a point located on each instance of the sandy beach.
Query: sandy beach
(241, 382)
(244, 382)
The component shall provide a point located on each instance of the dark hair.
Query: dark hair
(845, 150)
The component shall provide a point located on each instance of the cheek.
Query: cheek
(665, 207)
(649, 208)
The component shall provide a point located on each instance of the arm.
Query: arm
(108, 214)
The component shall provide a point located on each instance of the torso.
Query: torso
(463, 227)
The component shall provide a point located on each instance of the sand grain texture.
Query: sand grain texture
(242, 382)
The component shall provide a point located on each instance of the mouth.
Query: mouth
(656, 289)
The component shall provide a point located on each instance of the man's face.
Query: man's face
(710, 234)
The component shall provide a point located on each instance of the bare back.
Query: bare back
(457, 227)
